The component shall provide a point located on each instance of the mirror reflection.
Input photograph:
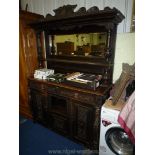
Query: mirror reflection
(90, 44)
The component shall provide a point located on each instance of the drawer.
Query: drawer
(37, 86)
(53, 89)
(80, 96)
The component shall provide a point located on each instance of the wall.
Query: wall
(125, 52)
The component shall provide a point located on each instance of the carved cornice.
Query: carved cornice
(65, 19)
(67, 11)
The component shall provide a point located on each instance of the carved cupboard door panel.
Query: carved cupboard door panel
(38, 103)
(57, 113)
(83, 125)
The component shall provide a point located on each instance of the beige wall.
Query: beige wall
(125, 52)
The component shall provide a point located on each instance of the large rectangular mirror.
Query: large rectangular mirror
(88, 44)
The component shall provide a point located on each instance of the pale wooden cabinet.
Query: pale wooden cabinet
(27, 58)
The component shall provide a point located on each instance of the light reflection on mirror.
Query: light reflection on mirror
(91, 44)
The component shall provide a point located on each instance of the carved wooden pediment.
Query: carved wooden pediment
(68, 11)
(66, 19)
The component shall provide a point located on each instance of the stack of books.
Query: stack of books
(83, 80)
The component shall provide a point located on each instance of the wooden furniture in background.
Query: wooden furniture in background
(66, 48)
(27, 58)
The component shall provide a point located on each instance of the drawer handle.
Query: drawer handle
(76, 95)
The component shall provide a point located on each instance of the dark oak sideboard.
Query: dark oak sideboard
(70, 111)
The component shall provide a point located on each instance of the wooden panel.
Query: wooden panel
(27, 58)
(83, 122)
(58, 123)
(23, 92)
(40, 87)
(38, 104)
(83, 97)
(31, 53)
(65, 48)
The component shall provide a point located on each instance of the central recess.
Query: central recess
(57, 105)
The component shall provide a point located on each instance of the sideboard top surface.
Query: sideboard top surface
(100, 91)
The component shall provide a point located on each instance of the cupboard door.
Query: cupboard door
(57, 114)
(57, 105)
(83, 123)
(38, 103)
(58, 123)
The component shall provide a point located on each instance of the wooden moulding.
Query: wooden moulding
(67, 11)
(69, 19)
